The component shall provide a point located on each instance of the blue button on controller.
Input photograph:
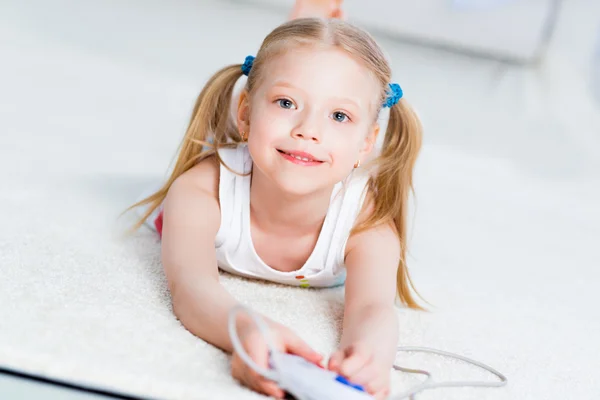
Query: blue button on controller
(345, 381)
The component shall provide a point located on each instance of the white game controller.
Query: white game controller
(306, 381)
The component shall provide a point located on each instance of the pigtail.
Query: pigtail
(210, 128)
(392, 185)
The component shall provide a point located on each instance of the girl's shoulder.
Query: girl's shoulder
(192, 201)
(204, 176)
(365, 213)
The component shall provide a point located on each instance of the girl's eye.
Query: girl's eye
(340, 116)
(285, 103)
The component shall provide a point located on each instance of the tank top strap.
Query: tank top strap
(347, 205)
(232, 187)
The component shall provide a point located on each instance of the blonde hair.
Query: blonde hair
(211, 127)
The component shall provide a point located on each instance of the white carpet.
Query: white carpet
(93, 101)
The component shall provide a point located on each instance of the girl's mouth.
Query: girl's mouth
(300, 157)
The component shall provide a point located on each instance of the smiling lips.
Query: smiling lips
(300, 158)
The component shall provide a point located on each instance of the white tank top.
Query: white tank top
(235, 251)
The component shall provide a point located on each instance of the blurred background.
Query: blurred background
(511, 79)
(95, 97)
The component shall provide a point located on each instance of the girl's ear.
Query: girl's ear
(243, 112)
(369, 142)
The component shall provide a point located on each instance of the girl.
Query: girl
(281, 192)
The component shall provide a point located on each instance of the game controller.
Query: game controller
(307, 381)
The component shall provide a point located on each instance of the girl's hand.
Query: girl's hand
(357, 364)
(284, 340)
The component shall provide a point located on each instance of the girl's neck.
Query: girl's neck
(275, 211)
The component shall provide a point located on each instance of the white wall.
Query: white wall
(501, 28)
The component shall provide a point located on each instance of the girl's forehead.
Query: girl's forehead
(322, 72)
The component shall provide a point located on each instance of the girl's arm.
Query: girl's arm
(191, 221)
(370, 329)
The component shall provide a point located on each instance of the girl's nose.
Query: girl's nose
(307, 129)
(306, 135)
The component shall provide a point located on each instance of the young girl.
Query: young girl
(281, 192)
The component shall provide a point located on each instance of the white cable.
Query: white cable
(426, 385)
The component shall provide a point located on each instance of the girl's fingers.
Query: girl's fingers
(269, 388)
(335, 361)
(355, 360)
(378, 384)
(251, 379)
(297, 346)
(364, 376)
(258, 352)
(382, 394)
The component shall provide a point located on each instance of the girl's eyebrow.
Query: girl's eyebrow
(347, 100)
(284, 84)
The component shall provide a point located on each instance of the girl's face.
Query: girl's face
(311, 118)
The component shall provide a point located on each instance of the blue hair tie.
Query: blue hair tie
(247, 66)
(394, 95)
